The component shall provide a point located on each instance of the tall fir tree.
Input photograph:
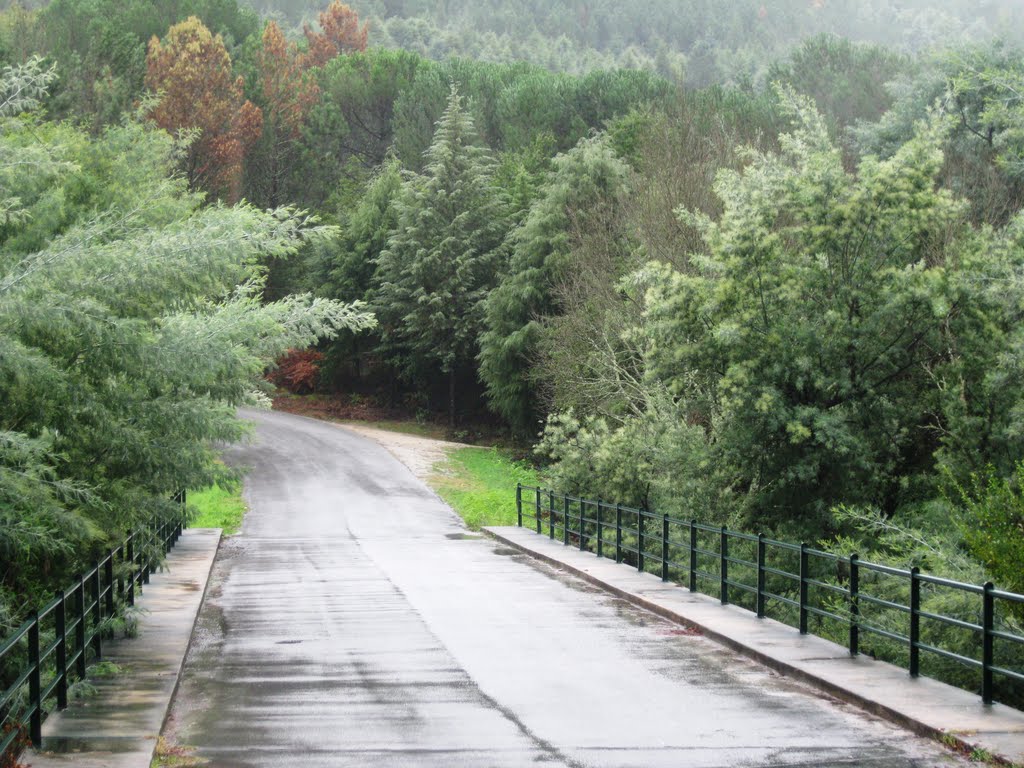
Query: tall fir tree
(445, 255)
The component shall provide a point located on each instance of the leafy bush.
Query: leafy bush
(298, 371)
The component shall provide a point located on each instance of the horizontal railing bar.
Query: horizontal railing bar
(707, 552)
(741, 585)
(1011, 596)
(884, 633)
(781, 599)
(782, 545)
(825, 614)
(786, 574)
(1007, 636)
(826, 555)
(741, 561)
(950, 655)
(831, 587)
(888, 570)
(45, 611)
(739, 535)
(1009, 673)
(19, 633)
(13, 688)
(48, 691)
(951, 621)
(8, 739)
(884, 603)
(705, 575)
(939, 581)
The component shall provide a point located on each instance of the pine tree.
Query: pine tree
(581, 179)
(445, 255)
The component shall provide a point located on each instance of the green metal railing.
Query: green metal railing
(52, 648)
(795, 582)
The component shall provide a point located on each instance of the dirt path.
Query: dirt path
(420, 454)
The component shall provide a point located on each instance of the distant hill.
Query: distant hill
(702, 41)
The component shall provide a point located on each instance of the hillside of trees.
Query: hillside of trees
(698, 41)
(758, 274)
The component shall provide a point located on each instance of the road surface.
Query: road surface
(355, 622)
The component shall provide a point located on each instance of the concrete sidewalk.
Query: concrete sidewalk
(925, 706)
(118, 726)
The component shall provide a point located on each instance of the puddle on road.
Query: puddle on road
(463, 536)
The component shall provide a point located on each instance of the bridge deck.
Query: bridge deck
(923, 705)
(354, 621)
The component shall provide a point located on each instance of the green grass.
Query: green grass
(480, 485)
(219, 507)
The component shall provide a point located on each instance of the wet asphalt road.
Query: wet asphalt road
(354, 622)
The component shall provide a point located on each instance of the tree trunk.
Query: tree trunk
(451, 398)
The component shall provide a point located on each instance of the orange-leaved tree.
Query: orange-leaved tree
(287, 92)
(191, 71)
(340, 33)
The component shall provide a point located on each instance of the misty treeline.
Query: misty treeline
(701, 42)
(787, 300)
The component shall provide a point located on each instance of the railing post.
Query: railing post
(108, 574)
(803, 588)
(664, 546)
(61, 652)
(519, 504)
(80, 626)
(35, 686)
(97, 610)
(854, 604)
(723, 568)
(536, 500)
(145, 560)
(600, 533)
(640, 523)
(537, 509)
(120, 576)
(565, 519)
(582, 515)
(551, 514)
(761, 556)
(618, 533)
(988, 625)
(915, 621)
(693, 555)
(130, 554)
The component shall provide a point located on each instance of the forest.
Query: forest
(762, 267)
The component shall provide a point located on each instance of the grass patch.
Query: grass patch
(480, 485)
(218, 507)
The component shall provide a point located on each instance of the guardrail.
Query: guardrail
(820, 585)
(62, 637)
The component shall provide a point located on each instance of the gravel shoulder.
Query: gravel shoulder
(420, 454)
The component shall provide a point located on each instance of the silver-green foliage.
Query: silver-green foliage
(131, 328)
(839, 338)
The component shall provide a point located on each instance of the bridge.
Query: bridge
(355, 621)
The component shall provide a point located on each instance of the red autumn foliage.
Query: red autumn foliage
(340, 33)
(191, 70)
(298, 371)
(288, 92)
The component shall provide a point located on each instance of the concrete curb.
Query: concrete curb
(119, 726)
(854, 685)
